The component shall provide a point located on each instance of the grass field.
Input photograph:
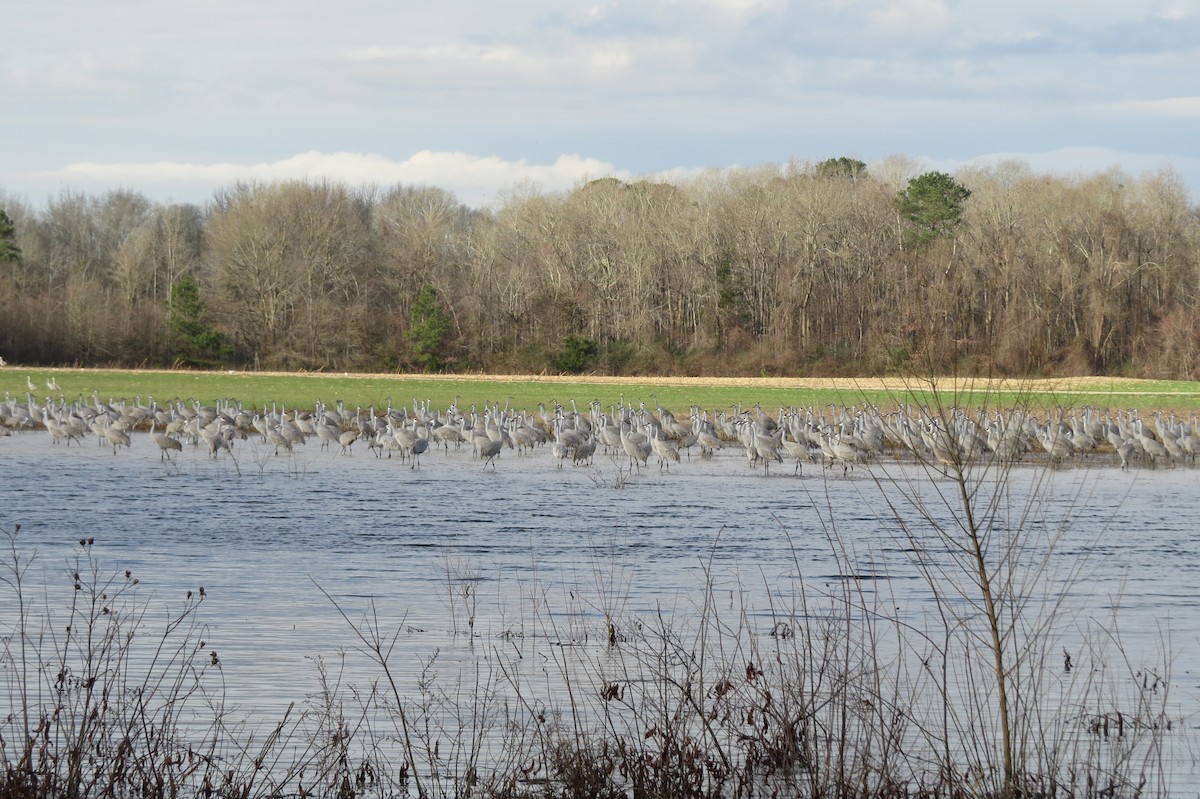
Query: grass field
(262, 389)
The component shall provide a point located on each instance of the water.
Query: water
(462, 560)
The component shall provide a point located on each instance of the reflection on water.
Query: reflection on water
(454, 555)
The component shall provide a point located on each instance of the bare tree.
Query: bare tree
(289, 260)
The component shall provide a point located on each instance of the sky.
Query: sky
(179, 98)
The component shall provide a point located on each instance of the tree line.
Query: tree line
(805, 268)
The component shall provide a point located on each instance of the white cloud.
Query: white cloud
(611, 57)
(176, 102)
(905, 16)
(1173, 107)
(484, 180)
(740, 9)
(76, 73)
(475, 180)
(500, 68)
(436, 53)
(1173, 13)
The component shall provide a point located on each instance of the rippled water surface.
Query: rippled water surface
(434, 545)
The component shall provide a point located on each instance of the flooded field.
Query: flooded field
(519, 562)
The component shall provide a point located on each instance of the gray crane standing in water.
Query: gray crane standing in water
(706, 435)
(419, 445)
(793, 449)
(116, 436)
(489, 450)
(666, 450)
(347, 440)
(635, 444)
(585, 451)
(559, 448)
(214, 439)
(164, 442)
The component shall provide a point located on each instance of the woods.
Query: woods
(805, 269)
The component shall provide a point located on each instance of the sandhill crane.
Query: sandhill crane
(1081, 439)
(664, 449)
(794, 450)
(385, 441)
(347, 439)
(419, 445)
(686, 441)
(52, 384)
(1056, 443)
(116, 436)
(545, 418)
(670, 426)
(845, 450)
(761, 445)
(448, 434)
(524, 438)
(585, 451)
(706, 436)
(566, 441)
(214, 438)
(489, 450)
(1152, 446)
(289, 430)
(56, 430)
(609, 434)
(1189, 442)
(164, 442)
(327, 433)
(404, 437)
(74, 427)
(938, 442)
(277, 439)
(559, 450)
(1123, 450)
(636, 445)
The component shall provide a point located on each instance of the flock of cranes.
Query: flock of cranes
(834, 437)
(51, 384)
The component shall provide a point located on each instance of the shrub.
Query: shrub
(577, 355)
